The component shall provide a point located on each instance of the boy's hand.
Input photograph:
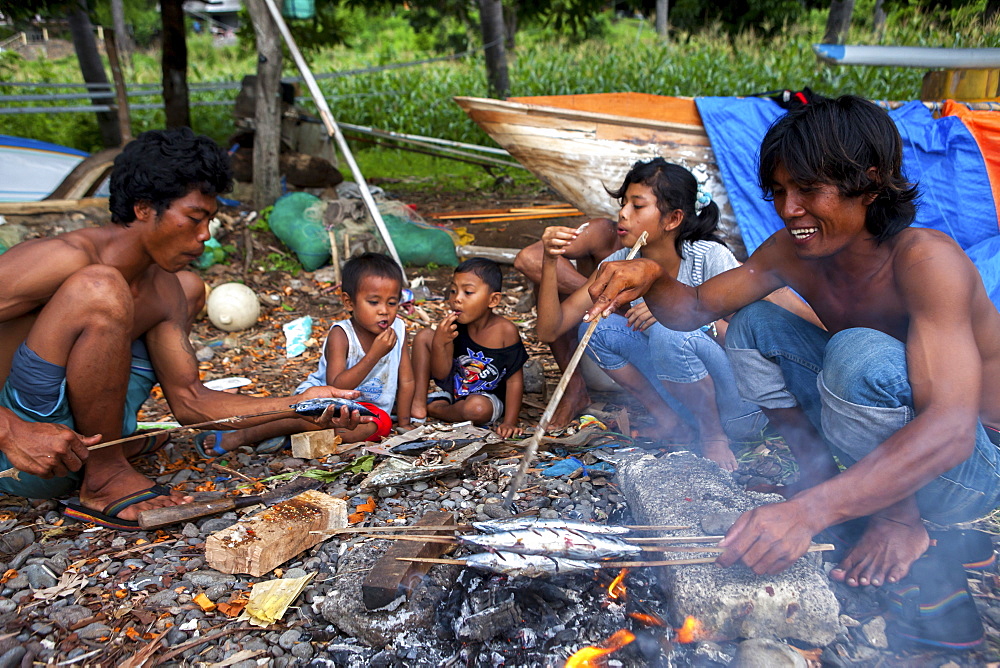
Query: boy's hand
(383, 344)
(555, 239)
(446, 331)
(505, 430)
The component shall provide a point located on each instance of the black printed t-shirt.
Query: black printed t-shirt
(477, 368)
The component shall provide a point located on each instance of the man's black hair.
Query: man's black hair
(369, 264)
(161, 166)
(850, 143)
(487, 270)
(675, 188)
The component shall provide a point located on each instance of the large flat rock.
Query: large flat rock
(684, 489)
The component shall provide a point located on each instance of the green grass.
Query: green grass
(628, 57)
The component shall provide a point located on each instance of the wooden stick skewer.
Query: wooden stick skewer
(616, 564)
(469, 527)
(532, 446)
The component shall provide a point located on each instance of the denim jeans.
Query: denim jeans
(680, 357)
(854, 387)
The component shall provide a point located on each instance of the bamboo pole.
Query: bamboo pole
(333, 129)
(543, 422)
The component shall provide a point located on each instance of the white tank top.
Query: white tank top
(379, 386)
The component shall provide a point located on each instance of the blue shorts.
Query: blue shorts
(35, 391)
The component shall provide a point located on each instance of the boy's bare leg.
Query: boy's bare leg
(670, 427)
(86, 327)
(476, 408)
(420, 357)
(575, 398)
(699, 398)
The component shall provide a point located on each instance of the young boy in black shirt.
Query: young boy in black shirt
(474, 356)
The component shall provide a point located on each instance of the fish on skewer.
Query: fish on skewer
(563, 543)
(520, 523)
(526, 565)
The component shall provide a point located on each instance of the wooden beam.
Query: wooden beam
(51, 206)
(389, 578)
(275, 535)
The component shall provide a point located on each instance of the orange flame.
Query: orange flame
(648, 620)
(588, 657)
(690, 631)
(616, 590)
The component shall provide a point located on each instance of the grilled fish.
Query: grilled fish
(527, 565)
(518, 523)
(314, 407)
(563, 543)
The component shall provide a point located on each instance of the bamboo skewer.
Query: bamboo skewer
(469, 527)
(614, 564)
(532, 445)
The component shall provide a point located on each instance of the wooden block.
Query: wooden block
(275, 535)
(389, 578)
(315, 444)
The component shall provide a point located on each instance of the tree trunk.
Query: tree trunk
(93, 70)
(510, 24)
(267, 113)
(491, 23)
(662, 12)
(878, 19)
(122, 40)
(991, 10)
(838, 21)
(173, 64)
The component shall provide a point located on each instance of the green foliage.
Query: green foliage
(141, 16)
(276, 261)
(735, 16)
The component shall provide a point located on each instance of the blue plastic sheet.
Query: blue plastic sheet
(940, 155)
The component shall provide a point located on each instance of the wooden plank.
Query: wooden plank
(51, 206)
(277, 534)
(390, 578)
(315, 444)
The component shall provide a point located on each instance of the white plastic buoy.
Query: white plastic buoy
(232, 307)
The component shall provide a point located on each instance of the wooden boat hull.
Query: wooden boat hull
(581, 144)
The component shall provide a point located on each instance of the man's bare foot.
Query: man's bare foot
(106, 484)
(572, 404)
(718, 450)
(883, 554)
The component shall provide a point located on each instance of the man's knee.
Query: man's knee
(529, 261)
(97, 292)
(865, 366)
(195, 292)
(748, 322)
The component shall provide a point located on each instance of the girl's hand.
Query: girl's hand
(555, 239)
(639, 317)
(446, 331)
(505, 430)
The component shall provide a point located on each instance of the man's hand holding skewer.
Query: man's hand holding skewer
(768, 539)
(618, 283)
(42, 449)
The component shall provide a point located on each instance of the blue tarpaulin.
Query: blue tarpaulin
(940, 155)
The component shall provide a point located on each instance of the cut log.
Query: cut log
(52, 206)
(275, 535)
(390, 578)
(315, 444)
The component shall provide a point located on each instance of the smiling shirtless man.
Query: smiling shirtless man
(91, 319)
(902, 381)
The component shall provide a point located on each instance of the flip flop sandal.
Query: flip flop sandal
(972, 548)
(273, 445)
(109, 517)
(151, 445)
(211, 451)
(933, 606)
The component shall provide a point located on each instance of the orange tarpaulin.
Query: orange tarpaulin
(984, 126)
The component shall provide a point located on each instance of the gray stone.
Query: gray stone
(14, 541)
(70, 615)
(162, 599)
(343, 606)
(767, 653)
(7, 605)
(874, 633)
(18, 582)
(206, 578)
(94, 631)
(718, 523)
(289, 638)
(190, 531)
(534, 376)
(682, 488)
(303, 650)
(216, 592)
(12, 657)
(293, 573)
(39, 577)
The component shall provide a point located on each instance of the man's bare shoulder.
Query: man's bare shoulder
(920, 249)
(68, 252)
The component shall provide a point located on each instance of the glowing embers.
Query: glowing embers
(591, 657)
(690, 631)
